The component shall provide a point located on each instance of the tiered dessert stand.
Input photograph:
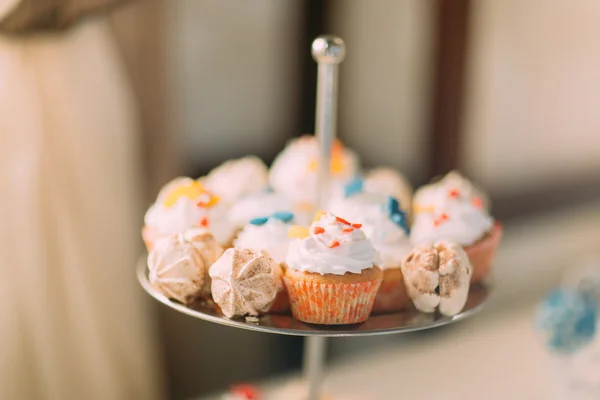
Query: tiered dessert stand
(329, 52)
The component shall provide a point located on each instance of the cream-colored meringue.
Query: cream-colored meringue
(438, 275)
(177, 268)
(294, 171)
(388, 181)
(237, 178)
(244, 282)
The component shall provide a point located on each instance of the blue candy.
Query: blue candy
(353, 187)
(259, 221)
(567, 320)
(284, 216)
(396, 214)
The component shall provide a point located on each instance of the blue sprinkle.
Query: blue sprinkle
(284, 216)
(353, 187)
(396, 214)
(259, 221)
(567, 319)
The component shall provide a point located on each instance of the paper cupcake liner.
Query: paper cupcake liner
(481, 254)
(392, 295)
(331, 303)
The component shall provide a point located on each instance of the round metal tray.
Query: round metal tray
(283, 324)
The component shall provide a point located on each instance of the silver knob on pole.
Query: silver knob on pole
(328, 52)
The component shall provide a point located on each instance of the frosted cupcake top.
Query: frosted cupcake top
(257, 205)
(237, 178)
(184, 203)
(450, 209)
(388, 181)
(331, 245)
(294, 171)
(268, 234)
(383, 222)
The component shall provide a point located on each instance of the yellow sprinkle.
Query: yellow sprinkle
(312, 165)
(191, 191)
(417, 209)
(319, 215)
(298, 232)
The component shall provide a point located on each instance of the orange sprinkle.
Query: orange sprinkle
(347, 230)
(204, 222)
(342, 220)
(318, 230)
(477, 202)
(357, 226)
(454, 193)
(443, 217)
(334, 244)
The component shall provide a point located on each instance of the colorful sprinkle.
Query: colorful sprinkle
(245, 391)
(353, 187)
(342, 220)
(284, 216)
(454, 193)
(318, 230)
(334, 244)
(417, 209)
(204, 222)
(259, 221)
(397, 215)
(298, 232)
(347, 230)
(319, 215)
(191, 191)
(357, 226)
(477, 202)
(211, 201)
(439, 220)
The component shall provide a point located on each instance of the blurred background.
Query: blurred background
(506, 91)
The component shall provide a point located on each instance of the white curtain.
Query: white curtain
(74, 323)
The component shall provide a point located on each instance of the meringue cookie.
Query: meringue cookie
(177, 268)
(244, 282)
(237, 178)
(438, 275)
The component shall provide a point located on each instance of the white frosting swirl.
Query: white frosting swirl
(294, 171)
(236, 178)
(185, 213)
(388, 181)
(450, 210)
(332, 248)
(388, 238)
(271, 237)
(257, 205)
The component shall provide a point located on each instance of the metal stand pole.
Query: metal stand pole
(328, 52)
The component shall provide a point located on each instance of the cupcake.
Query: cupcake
(179, 263)
(453, 209)
(244, 282)
(237, 178)
(438, 276)
(294, 173)
(183, 204)
(269, 235)
(388, 181)
(332, 276)
(386, 226)
(257, 205)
